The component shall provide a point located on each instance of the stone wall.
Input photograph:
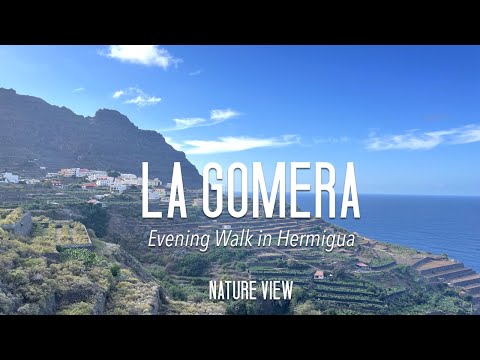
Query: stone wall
(422, 261)
(22, 227)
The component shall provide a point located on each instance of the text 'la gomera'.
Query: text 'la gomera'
(278, 189)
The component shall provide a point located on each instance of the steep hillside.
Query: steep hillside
(37, 277)
(34, 133)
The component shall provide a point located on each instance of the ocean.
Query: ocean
(439, 224)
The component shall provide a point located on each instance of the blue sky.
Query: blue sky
(407, 116)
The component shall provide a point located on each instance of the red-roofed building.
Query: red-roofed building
(319, 275)
(57, 184)
(89, 186)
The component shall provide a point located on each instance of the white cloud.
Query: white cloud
(332, 140)
(223, 114)
(217, 116)
(142, 100)
(232, 144)
(149, 55)
(470, 135)
(417, 140)
(195, 73)
(136, 96)
(186, 123)
(118, 93)
(80, 89)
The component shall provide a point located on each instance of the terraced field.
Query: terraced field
(452, 273)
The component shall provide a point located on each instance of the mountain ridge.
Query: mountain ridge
(34, 133)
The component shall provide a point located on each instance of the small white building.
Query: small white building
(155, 182)
(104, 181)
(117, 188)
(164, 199)
(93, 175)
(128, 176)
(96, 202)
(100, 197)
(226, 227)
(82, 172)
(10, 178)
(31, 181)
(129, 182)
(68, 172)
(168, 186)
(153, 195)
(161, 191)
(43, 167)
(51, 175)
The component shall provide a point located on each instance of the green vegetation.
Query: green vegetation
(12, 217)
(88, 258)
(376, 262)
(193, 264)
(115, 270)
(81, 308)
(95, 217)
(35, 279)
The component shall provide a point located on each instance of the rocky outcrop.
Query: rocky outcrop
(23, 227)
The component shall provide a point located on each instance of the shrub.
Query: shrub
(191, 265)
(306, 308)
(13, 217)
(81, 308)
(177, 293)
(158, 273)
(87, 257)
(115, 270)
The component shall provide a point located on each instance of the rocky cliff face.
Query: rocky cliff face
(34, 133)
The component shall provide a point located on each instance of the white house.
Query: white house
(10, 178)
(155, 182)
(164, 199)
(32, 181)
(226, 227)
(43, 167)
(100, 197)
(117, 188)
(153, 195)
(168, 186)
(160, 191)
(95, 174)
(129, 182)
(104, 181)
(96, 202)
(51, 175)
(68, 172)
(82, 172)
(128, 176)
